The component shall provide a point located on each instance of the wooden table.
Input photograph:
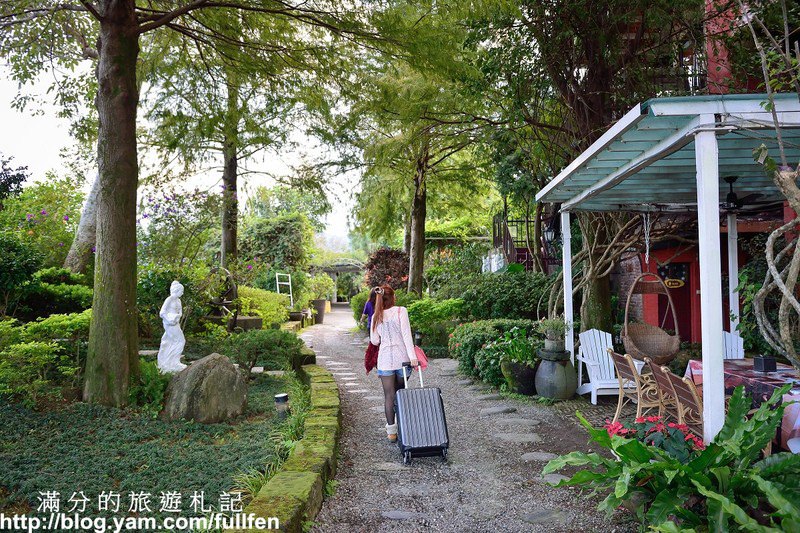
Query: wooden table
(760, 385)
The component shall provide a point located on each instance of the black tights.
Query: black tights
(391, 384)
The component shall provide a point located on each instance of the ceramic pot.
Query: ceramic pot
(319, 305)
(556, 379)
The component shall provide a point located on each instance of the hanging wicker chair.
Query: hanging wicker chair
(645, 340)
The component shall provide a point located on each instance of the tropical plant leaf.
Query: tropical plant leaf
(729, 508)
(776, 496)
(663, 506)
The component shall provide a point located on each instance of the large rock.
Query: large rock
(210, 390)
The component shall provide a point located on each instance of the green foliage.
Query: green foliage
(552, 328)
(468, 339)
(723, 487)
(282, 200)
(284, 438)
(274, 349)
(284, 242)
(147, 393)
(357, 303)
(10, 332)
(459, 229)
(54, 290)
(320, 286)
(751, 279)
(11, 179)
(95, 447)
(447, 268)
(28, 372)
(387, 267)
(18, 262)
(55, 327)
(61, 276)
(513, 345)
(506, 295)
(270, 306)
(434, 319)
(44, 216)
(152, 289)
(71, 333)
(178, 230)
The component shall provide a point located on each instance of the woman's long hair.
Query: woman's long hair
(384, 299)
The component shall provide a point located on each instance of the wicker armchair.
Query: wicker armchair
(633, 387)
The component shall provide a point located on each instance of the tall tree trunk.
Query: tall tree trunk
(407, 233)
(80, 253)
(419, 209)
(230, 202)
(596, 297)
(230, 206)
(596, 305)
(113, 357)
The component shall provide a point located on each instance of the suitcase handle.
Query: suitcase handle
(405, 379)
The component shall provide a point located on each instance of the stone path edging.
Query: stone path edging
(294, 495)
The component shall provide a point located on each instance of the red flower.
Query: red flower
(639, 420)
(653, 418)
(615, 428)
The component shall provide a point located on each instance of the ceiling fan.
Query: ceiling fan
(733, 202)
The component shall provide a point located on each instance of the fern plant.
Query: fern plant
(726, 486)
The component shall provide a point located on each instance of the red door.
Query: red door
(676, 277)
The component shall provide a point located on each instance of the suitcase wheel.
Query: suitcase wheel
(444, 455)
(407, 458)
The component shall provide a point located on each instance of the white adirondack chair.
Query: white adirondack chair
(734, 345)
(594, 353)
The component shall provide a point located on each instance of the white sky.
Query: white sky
(34, 139)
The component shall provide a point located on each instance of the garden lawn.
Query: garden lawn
(93, 449)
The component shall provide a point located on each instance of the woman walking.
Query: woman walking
(391, 330)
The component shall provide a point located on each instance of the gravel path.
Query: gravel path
(492, 479)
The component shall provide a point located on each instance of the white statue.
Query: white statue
(173, 341)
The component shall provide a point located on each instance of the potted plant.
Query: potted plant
(518, 361)
(320, 287)
(555, 377)
(553, 330)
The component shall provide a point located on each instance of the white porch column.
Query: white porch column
(335, 297)
(566, 272)
(733, 270)
(707, 161)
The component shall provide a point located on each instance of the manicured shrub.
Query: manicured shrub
(506, 295)
(469, 338)
(42, 299)
(272, 307)
(29, 371)
(434, 319)
(274, 349)
(387, 267)
(60, 276)
(18, 262)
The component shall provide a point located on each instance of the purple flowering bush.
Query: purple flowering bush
(45, 216)
(178, 230)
